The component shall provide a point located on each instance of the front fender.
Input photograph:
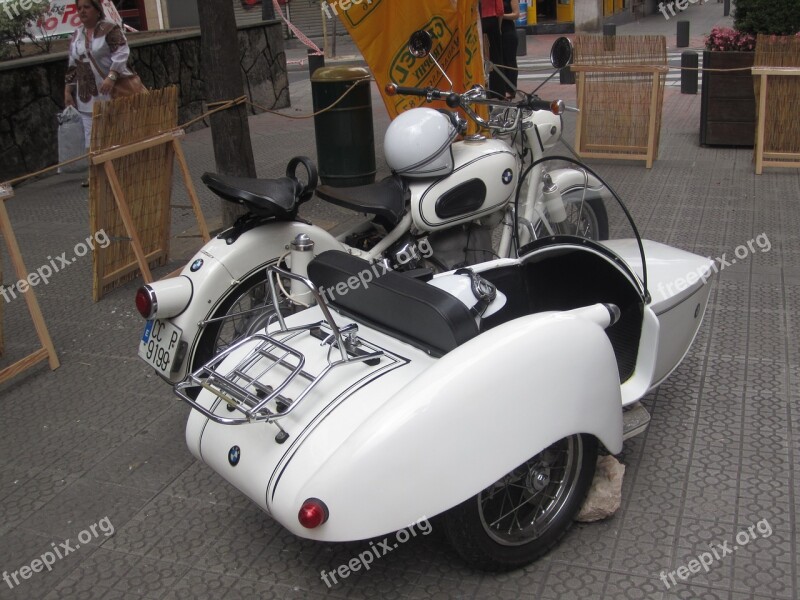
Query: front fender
(226, 265)
(476, 414)
(569, 178)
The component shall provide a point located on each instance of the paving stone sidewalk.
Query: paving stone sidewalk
(100, 440)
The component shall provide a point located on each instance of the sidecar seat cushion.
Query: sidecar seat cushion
(406, 308)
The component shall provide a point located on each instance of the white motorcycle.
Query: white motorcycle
(438, 210)
(481, 396)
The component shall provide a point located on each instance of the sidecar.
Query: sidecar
(482, 395)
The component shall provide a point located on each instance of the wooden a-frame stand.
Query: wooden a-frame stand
(47, 350)
(106, 158)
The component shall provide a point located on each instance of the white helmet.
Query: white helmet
(418, 143)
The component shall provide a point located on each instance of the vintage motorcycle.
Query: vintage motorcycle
(480, 396)
(438, 210)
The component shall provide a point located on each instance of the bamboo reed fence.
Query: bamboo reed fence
(776, 80)
(134, 186)
(620, 95)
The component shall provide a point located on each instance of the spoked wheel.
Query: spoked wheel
(247, 309)
(586, 218)
(520, 517)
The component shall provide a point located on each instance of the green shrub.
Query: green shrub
(775, 17)
(14, 24)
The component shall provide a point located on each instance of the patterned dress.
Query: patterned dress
(89, 66)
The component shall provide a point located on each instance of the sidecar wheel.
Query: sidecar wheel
(521, 516)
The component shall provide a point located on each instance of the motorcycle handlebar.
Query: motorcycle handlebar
(455, 100)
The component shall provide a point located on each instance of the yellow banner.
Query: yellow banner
(381, 28)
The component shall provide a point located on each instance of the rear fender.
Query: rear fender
(224, 266)
(476, 414)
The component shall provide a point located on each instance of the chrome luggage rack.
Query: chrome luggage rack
(240, 386)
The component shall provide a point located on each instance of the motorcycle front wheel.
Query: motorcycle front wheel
(586, 217)
(524, 514)
(247, 309)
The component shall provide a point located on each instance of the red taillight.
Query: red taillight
(313, 513)
(145, 301)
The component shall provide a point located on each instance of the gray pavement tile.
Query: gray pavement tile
(689, 592)
(150, 460)
(631, 587)
(197, 583)
(759, 576)
(83, 503)
(21, 547)
(566, 581)
(641, 557)
(29, 494)
(522, 583)
(718, 575)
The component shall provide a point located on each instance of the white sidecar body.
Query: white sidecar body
(390, 401)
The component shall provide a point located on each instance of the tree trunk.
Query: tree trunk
(222, 74)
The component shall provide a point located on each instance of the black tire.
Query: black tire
(504, 543)
(252, 293)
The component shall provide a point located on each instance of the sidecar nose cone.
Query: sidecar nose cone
(313, 513)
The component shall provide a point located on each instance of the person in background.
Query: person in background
(98, 56)
(491, 15)
(509, 42)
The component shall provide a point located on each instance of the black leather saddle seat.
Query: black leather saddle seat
(264, 197)
(385, 199)
(403, 307)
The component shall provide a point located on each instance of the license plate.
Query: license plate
(159, 345)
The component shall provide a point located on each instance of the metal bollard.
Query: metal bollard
(609, 37)
(315, 61)
(689, 77)
(726, 8)
(522, 42)
(683, 34)
(566, 76)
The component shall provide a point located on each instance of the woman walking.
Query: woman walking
(98, 57)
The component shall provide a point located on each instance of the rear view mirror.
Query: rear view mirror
(420, 43)
(561, 53)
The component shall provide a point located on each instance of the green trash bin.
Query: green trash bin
(344, 134)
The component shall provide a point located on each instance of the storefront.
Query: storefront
(551, 16)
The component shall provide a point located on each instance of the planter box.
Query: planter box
(728, 103)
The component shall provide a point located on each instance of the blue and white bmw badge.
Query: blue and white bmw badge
(196, 265)
(234, 454)
(508, 175)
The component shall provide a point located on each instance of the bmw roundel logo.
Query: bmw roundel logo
(508, 175)
(196, 265)
(234, 454)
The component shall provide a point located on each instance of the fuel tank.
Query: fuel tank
(483, 180)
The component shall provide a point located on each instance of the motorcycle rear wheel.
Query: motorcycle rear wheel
(246, 310)
(524, 514)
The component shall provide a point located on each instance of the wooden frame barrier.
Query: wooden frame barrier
(106, 159)
(47, 350)
(646, 153)
(764, 158)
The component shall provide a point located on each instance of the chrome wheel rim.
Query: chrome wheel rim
(523, 505)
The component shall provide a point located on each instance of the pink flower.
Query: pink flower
(723, 39)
